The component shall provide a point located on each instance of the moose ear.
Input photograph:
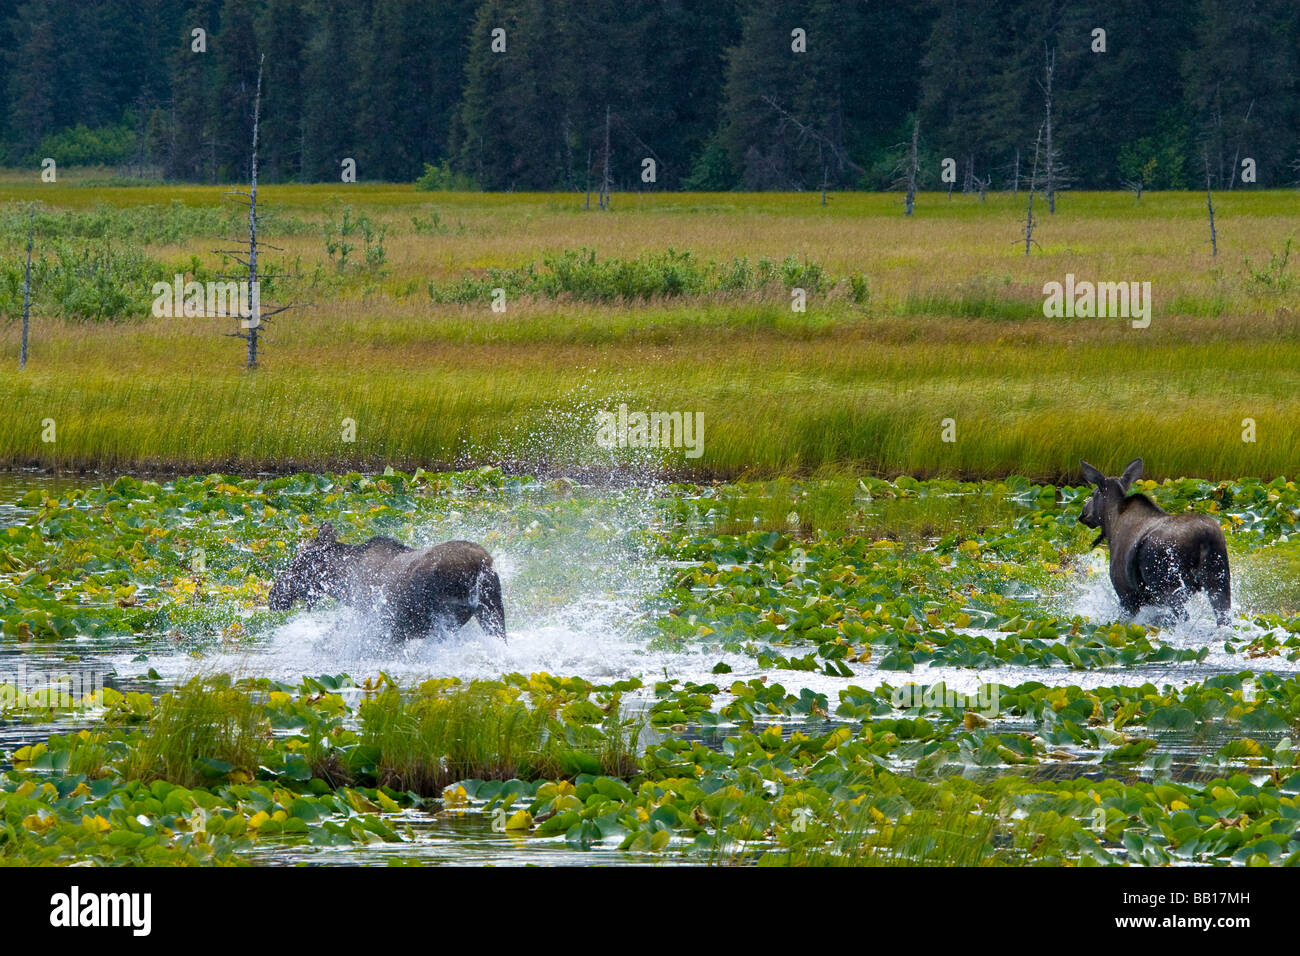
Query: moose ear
(1091, 474)
(1132, 471)
(326, 533)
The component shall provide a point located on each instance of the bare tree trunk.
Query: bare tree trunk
(1015, 179)
(255, 305)
(27, 286)
(605, 176)
(1033, 183)
(1236, 154)
(821, 158)
(1209, 205)
(912, 166)
(1049, 69)
(257, 317)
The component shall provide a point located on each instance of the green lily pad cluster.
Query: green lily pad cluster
(838, 578)
(971, 598)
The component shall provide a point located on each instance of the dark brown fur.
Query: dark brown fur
(1156, 558)
(412, 590)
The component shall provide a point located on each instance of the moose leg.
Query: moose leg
(490, 612)
(1215, 580)
(1130, 601)
(1162, 577)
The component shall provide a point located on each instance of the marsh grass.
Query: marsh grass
(939, 318)
(579, 275)
(426, 739)
(203, 730)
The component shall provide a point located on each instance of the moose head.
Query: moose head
(1103, 504)
(309, 574)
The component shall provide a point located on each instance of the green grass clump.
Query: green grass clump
(202, 730)
(440, 733)
(580, 275)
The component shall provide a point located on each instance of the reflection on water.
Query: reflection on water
(15, 484)
(460, 839)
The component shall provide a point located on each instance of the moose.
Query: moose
(413, 590)
(1156, 559)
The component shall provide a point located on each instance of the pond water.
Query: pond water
(581, 605)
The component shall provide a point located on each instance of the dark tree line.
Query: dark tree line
(715, 92)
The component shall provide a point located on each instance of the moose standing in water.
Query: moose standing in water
(413, 590)
(1156, 558)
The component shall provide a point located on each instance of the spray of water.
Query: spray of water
(576, 578)
(1091, 595)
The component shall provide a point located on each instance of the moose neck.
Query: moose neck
(1116, 512)
(336, 572)
(340, 577)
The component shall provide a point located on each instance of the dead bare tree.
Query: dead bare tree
(626, 127)
(253, 321)
(1011, 170)
(1236, 155)
(1209, 205)
(907, 167)
(1135, 186)
(1033, 185)
(806, 131)
(27, 286)
(605, 177)
(588, 206)
(1050, 172)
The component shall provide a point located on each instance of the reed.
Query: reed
(917, 321)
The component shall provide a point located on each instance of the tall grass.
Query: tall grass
(913, 823)
(940, 319)
(431, 737)
(200, 731)
(579, 274)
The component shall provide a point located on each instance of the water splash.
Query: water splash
(576, 597)
(1090, 594)
(562, 440)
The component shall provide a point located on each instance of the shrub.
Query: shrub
(80, 282)
(442, 178)
(579, 274)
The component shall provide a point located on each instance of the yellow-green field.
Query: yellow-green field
(952, 328)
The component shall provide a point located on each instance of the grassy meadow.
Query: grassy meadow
(908, 323)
